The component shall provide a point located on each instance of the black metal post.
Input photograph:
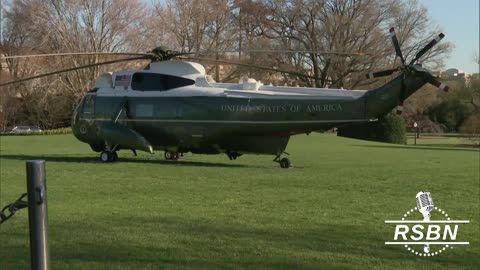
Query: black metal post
(37, 214)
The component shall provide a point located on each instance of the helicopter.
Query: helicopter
(172, 105)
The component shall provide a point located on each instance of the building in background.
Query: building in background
(453, 73)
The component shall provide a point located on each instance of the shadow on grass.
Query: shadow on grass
(154, 242)
(208, 244)
(200, 244)
(413, 147)
(77, 159)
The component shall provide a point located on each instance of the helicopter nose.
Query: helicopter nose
(85, 130)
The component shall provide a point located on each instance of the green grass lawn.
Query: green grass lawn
(207, 212)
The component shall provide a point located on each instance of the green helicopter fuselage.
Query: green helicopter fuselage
(163, 110)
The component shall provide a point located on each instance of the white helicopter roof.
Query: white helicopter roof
(183, 69)
(119, 83)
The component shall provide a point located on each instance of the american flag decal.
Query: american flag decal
(123, 80)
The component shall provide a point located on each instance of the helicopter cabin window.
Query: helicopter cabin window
(158, 82)
(89, 104)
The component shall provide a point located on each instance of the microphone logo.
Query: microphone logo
(425, 206)
(440, 234)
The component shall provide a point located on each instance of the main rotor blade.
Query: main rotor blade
(71, 54)
(251, 66)
(75, 68)
(382, 73)
(176, 54)
(396, 44)
(287, 51)
(427, 47)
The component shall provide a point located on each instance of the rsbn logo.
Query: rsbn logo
(435, 236)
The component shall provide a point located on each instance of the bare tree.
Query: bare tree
(87, 25)
(347, 26)
(64, 26)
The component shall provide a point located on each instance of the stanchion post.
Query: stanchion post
(415, 127)
(37, 214)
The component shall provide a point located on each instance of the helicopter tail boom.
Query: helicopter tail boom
(387, 97)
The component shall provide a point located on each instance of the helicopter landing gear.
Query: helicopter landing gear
(114, 156)
(169, 155)
(108, 156)
(233, 155)
(285, 163)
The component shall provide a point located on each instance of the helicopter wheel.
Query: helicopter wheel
(171, 155)
(105, 156)
(233, 155)
(285, 163)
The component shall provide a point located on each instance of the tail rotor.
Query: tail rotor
(410, 68)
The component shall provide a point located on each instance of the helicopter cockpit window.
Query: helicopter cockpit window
(158, 82)
(89, 104)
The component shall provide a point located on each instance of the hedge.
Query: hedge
(58, 131)
(390, 128)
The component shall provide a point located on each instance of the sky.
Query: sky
(459, 21)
